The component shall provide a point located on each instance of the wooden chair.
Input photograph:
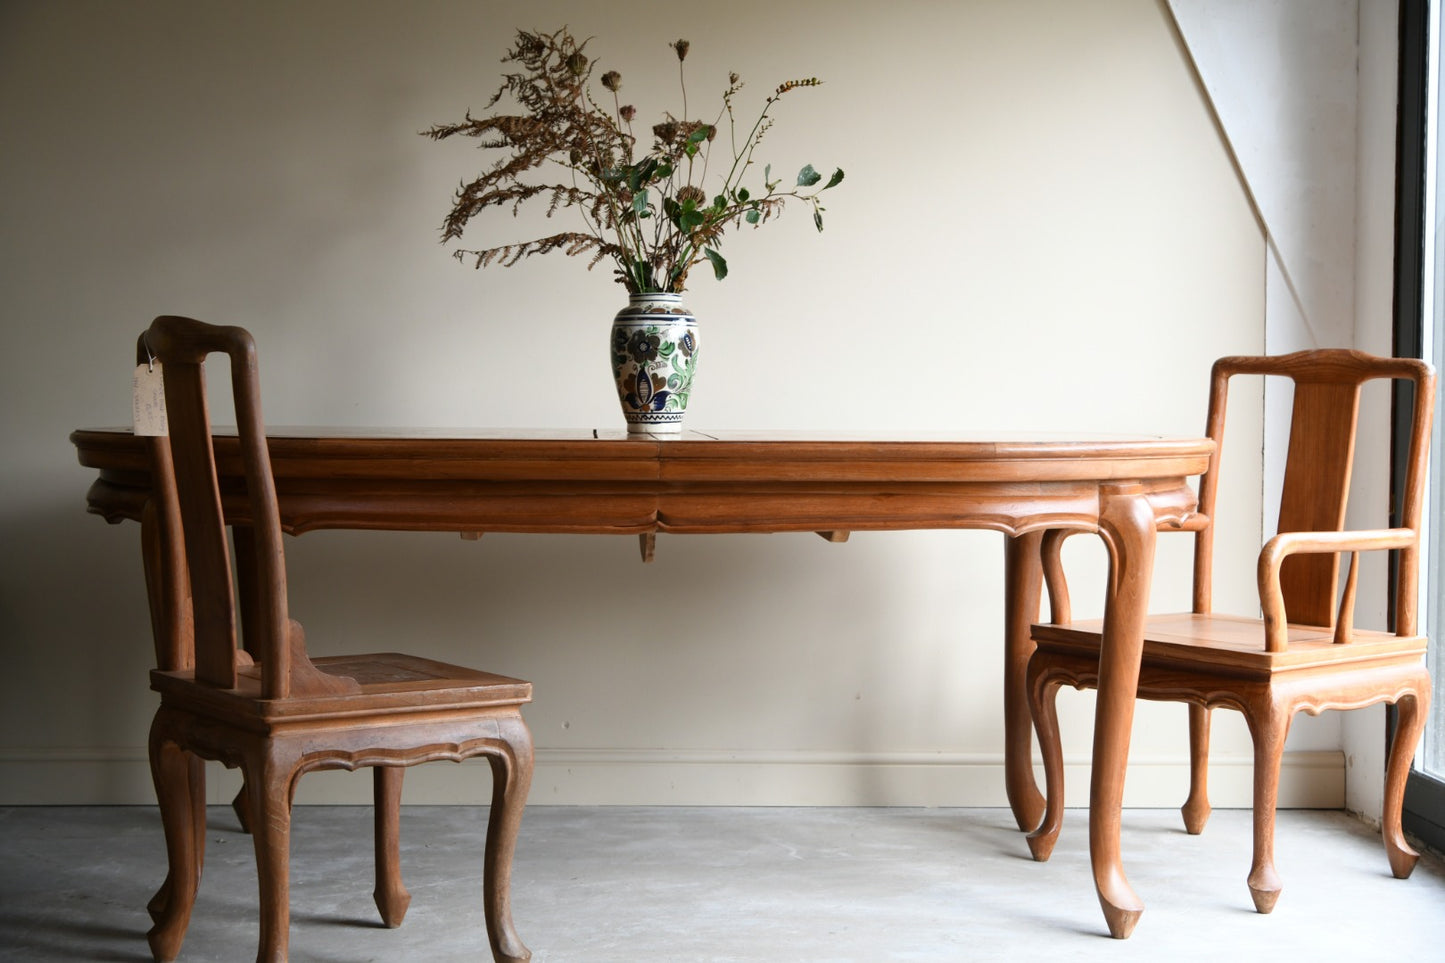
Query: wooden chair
(280, 714)
(1305, 652)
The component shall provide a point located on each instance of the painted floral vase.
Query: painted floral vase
(654, 352)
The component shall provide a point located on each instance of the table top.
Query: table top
(440, 452)
(612, 482)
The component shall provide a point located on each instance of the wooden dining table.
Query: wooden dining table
(610, 482)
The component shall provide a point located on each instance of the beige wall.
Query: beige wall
(1040, 230)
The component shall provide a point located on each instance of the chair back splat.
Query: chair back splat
(182, 345)
(1318, 468)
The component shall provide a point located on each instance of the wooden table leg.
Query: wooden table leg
(1022, 588)
(1126, 522)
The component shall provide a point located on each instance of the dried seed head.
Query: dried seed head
(612, 80)
(788, 85)
(627, 112)
(577, 64)
(691, 193)
(681, 46)
(733, 78)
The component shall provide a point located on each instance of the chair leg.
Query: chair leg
(1269, 728)
(177, 783)
(1196, 808)
(196, 782)
(268, 790)
(1412, 710)
(511, 780)
(390, 894)
(1043, 692)
(241, 807)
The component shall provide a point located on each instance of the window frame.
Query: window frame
(1424, 794)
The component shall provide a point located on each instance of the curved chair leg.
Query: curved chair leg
(174, 772)
(1412, 710)
(1043, 689)
(1196, 808)
(511, 780)
(269, 786)
(241, 807)
(1269, 727)
(390, 894)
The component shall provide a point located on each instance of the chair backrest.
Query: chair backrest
(1318, 465)
(185, 468)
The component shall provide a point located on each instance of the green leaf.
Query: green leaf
(743, 195)
(639, 203)
(818, 221)
(719, 266)
(642, 274)
(807, 177)
(689, 221)
(835, 180)
(753, 216)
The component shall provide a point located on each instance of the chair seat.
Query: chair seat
(1234, 645)
(388, 682)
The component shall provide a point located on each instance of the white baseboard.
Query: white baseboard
(642, 777)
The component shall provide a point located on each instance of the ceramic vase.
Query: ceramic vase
(654, 352)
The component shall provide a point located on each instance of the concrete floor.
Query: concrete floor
(683, 885)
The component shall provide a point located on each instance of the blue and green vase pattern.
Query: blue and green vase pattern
(654, 353)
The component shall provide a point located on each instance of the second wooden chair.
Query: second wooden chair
(1305, 652)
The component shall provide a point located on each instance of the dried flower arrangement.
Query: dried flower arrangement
(647, 211)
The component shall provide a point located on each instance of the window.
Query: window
(1420, 332)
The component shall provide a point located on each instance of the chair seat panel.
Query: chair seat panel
(1234, 644)
(396, 672)
(390, 683)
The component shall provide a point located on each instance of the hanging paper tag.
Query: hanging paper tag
(149, 406)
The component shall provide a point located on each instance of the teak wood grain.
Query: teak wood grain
(1303, 653)
(740, 482)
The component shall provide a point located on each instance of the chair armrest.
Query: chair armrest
(1285, 544)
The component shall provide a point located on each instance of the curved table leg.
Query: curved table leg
(1126, 522)
(1023, 576)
